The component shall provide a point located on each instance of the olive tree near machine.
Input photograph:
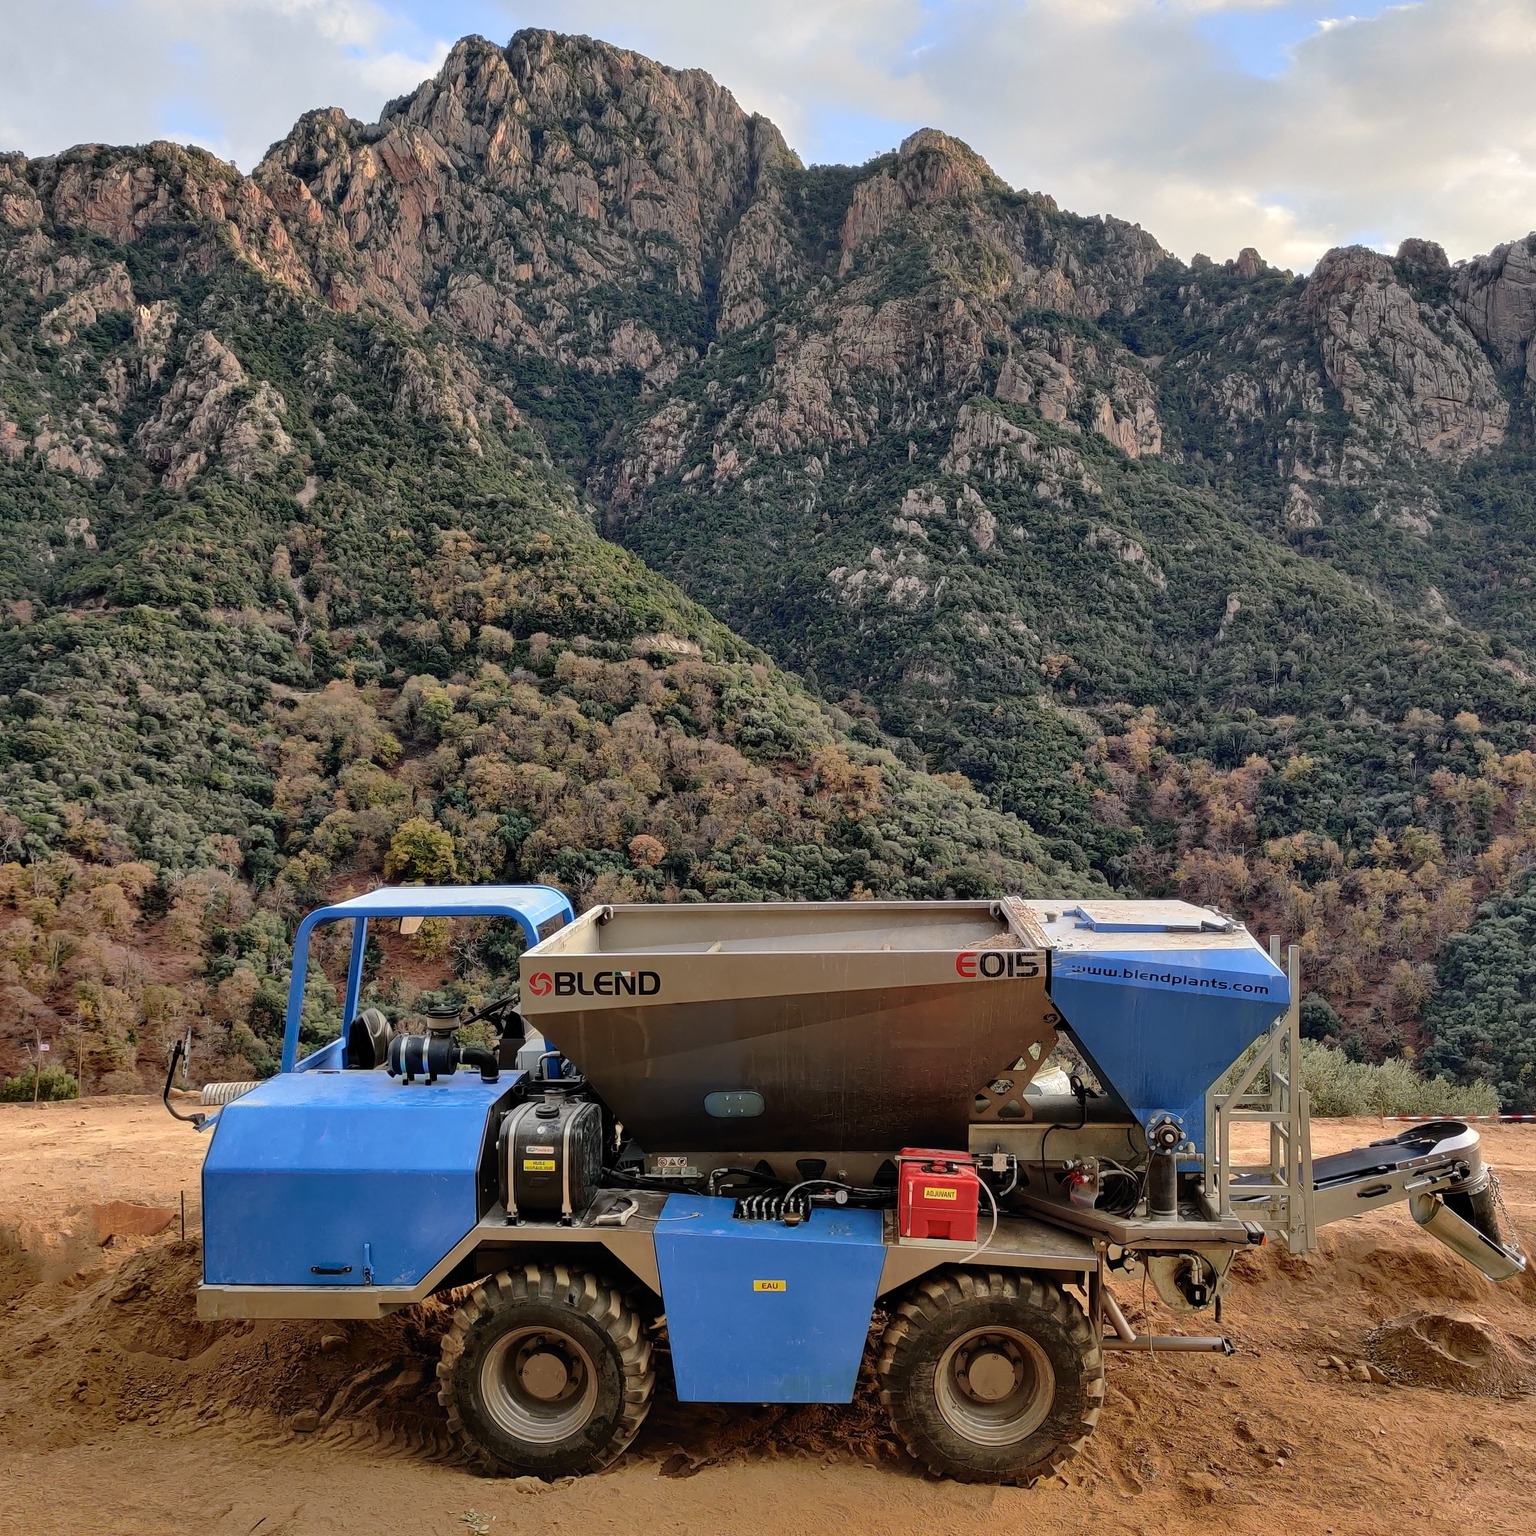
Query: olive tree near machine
(753, 1129)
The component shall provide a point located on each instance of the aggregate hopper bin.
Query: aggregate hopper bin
(815, 1027)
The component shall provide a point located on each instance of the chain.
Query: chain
(1506, 1221)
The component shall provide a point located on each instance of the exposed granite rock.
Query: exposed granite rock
(657, 448)
(1425, 258)
(72, 448)
(1126, 550)
(1496, 298)
(212, 414)
(1302, 512)
(438, 386)
(89, 290)
(549, 170)
(1071, 382)
(1407, 373)
(526, 193)
(761, 263)
(20, 206)
(153, 325)
(122, 194)
(899, 580)
(1249, 263)
(930, 168)
(13, 445)
(987, 446)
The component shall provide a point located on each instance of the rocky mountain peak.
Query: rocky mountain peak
(1343, 270)
(1425, 257)
(1496, 297)
(932, 165)
(521, 189)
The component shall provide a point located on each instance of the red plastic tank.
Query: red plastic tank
(937, 1194)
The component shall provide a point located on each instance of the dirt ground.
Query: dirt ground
(121, 1414)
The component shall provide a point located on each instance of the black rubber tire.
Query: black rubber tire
(955, 1304)
(583, 1314)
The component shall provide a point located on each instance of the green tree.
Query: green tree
(1482, 1020)
(420, 853)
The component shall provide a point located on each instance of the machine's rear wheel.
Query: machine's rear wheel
(991, 1376)
(546, 1371)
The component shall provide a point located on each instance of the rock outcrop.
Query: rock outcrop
(1072, 383)
(1496, 298)
(510, 193)
(988, 446)
(576, 202)
(212, 412)
(124, 194)
(1407, 374)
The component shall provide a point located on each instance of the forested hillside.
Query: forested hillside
(324, 497)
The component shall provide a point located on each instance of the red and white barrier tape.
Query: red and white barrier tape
(1501, 1119)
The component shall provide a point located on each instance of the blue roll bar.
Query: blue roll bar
(530, 906)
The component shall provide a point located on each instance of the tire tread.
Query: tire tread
(580, 1291)
(927, 1305)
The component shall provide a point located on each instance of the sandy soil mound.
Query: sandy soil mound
(19, 1269)
(126, 1345)
(1449, 1351)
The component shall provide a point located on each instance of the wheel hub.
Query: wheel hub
(990, 1375)
(545, 1374)
(995, 1386)
(539, 1385)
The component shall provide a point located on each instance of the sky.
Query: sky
(1289, 125)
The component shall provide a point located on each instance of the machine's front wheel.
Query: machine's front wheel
(991, 1376)
(546, 1371)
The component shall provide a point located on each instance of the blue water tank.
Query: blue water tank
(759, 1312)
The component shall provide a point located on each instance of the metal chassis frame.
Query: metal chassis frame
(1018, 1245)
(1284, 1202)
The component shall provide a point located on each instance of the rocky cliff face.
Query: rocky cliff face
(526, 193)
(1496, 297)
(1407, 374)
(212, 413)
(1354, 375)
(562, 199)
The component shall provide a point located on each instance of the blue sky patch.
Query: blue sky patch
(1262, 41)
(838, 137)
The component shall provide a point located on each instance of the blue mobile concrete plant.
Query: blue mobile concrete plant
(741, 1134)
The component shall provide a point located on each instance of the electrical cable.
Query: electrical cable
(718, 1177)
(991, 1231)
(1012, 1183)
(1080, 1093)
(1128, 1179)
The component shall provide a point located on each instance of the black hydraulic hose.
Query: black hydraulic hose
(478, 1056)
(1080, 1093)
(178, 1053)
(720, 1176)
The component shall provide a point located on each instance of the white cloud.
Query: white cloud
(231, 74)
(1383, 121)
